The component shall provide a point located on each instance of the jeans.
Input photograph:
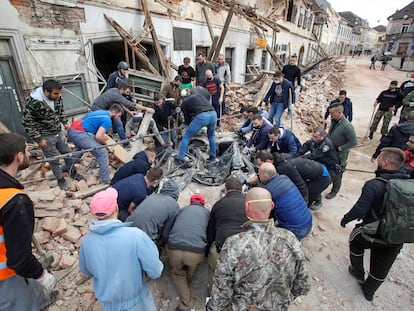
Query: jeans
(169, 136)
(300, 233)
(84, 140)
(56, 145)
(119, 128)
(18, 293)
(208, 119)
(276, 111)
(316, 186)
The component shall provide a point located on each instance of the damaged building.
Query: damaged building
(80, 43)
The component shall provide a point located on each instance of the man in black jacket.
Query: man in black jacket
(397, 136)
(226, 218)
(321, 149)
(369, 204)
(389, 101)
(198, 112)
(24, 284)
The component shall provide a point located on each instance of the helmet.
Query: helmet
(123, 65)
(412, 75)
(197, 198)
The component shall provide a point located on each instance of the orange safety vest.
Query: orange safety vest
(6, 194)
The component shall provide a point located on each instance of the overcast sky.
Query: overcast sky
(375, 11)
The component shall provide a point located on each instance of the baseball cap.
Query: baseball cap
(197, 198)
(104, 203)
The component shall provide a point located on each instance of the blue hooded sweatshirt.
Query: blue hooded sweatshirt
(118, 257)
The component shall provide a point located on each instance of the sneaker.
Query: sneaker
(359, 278)
(371, 135)
(368, 296)
(330, 195)
(62, 184)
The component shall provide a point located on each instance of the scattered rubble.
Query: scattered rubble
(62, 219)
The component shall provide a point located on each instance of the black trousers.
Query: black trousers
(316, 186)
(382, 258)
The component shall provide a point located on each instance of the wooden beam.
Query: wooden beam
(120, 153)
(90, 191)
(223, 32)
(262, 92)
(135, 47)
(138, 145)
(212, 48)
(276, 59)
(158, 49)
(210, 29)
(126, 52)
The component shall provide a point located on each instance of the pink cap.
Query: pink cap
(104, 203)
(198, 198)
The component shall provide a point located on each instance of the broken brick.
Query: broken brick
(66, 261)
(60, 229)
(42, 236)
(72, 234)
(50, 223)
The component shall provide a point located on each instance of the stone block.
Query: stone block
(61, 228)
(42, 236)
(66, 261)
(50, 224)
(72, 234)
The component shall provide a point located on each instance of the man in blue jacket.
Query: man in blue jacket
(278, 95)
(118, 256)
(291, 210)
(283, 140)
(344, 101)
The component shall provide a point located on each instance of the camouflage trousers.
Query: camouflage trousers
(385, 123)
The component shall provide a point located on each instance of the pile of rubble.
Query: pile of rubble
(62, 220)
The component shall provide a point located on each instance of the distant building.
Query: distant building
(400, 31)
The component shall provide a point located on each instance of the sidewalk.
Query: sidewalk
(395, 63)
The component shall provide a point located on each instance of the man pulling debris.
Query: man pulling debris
(42, 119)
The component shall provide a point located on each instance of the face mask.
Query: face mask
(126, 74)
(277, 82)
(256, 127)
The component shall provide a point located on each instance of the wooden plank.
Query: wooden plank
(210, 29)
(158, 49)
(262, 92)
(89, 192)
(213, 48)
(223, 33)
(120, 153)
(136, 48)
(276, 59)
(138, 145)
(126, 51)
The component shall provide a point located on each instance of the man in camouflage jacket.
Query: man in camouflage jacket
(42, 119)
(262, 268)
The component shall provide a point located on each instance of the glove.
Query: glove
(297, 89)
(263, 104)
(245, 188)
(252, 149)
(47, 281)
(343, 223)
(245, 150)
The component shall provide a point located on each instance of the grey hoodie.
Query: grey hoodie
(156, 214)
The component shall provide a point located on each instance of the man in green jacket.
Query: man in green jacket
(343, 136)
(408, 106)
(43, 119)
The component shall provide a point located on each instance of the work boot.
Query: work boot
(330, 195)
(371, 135)
(62, 184)
(368, 296)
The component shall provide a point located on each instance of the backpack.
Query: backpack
(397, 223)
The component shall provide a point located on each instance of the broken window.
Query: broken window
(291, 12)
(182, 39)
(74, 93)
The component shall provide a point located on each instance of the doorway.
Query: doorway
(10, 102)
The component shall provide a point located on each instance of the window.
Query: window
(73, 93)
(182, 39)
(301, 18)
(404, 28)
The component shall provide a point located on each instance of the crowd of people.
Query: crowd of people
(250, 235)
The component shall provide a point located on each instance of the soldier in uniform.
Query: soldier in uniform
(268, 251)
(42, 120)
